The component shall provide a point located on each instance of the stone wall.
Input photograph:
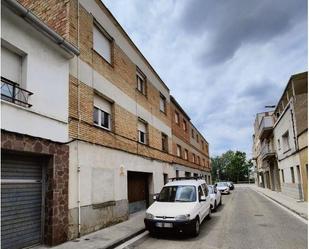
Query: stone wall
(56, 158)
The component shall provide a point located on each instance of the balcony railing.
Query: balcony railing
(11, 92)
(267, 151)
(266, 126)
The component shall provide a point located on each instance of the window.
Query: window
(187, 174)
(193, 157)
(205, 189)
(184, 125)
(165, 178)
(192, 133)
(102, 42)
(176, 118)
(204, 162)
(282, 175)
(186, 154)
(141, 81)
(285, 141)
(102, 112)
(142, 131)
(178, 150)
(162, 103)
(177, 173)
(202, 145)
(164, 142)
(298, 174)
(200, 193)
(198, 160)
(196, 137)
(292, 175)
(11, 65)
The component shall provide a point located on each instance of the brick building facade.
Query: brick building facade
(122, 136)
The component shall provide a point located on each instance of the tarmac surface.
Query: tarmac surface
(246, 220)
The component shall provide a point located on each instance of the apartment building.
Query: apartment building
(290, 136)
(100, 118)
(264, 154)
(280, 142)
(34, 130)
(189, 146)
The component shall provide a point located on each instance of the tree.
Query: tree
(232, 166)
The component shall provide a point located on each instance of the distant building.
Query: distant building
(280, 142)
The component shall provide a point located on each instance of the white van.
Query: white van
(182, 205)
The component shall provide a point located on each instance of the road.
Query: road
(246, 220)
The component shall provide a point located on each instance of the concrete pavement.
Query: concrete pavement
(298, 207)
(108, 237)
(246, 220)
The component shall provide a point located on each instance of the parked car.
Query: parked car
(231, 185)
(181, 206)
(223, 187)
(215, 197)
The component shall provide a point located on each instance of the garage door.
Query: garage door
(137, 191)
(21, 202)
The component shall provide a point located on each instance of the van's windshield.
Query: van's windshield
(177, 194)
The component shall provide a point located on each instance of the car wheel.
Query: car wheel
(196, 227)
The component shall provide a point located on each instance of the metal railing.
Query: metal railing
(267, 149)
(266, 123)
(11, 92)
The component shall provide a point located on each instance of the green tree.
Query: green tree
(232, 166)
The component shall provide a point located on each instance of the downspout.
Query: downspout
(78, 125)
(41, 26)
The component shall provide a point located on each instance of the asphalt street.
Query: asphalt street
(246, 220)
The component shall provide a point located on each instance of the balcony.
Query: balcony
(11, 92)
(266, 127)
(268, 152)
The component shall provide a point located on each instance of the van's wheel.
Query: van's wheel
(196, 227)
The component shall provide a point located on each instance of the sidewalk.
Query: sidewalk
(298, 207)
(109, 237)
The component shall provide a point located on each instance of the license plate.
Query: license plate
(164, 224)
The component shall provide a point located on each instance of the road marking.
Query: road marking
(133, 240)
(282, 207)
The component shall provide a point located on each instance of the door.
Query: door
(137, 191)
(21, 202)
(203, 204)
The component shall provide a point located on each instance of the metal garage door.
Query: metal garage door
(21, 202)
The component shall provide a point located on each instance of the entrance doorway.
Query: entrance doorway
(138, 191)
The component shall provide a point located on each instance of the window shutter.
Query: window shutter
(10, 65)
(101, 44)
(141, 126)
(103, 104)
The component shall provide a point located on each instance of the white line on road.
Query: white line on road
(133, 240)
(282, 207)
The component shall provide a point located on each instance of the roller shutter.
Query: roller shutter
(21, 202)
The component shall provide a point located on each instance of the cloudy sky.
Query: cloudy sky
(222, 60)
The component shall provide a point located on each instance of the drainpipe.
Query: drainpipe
(78, 125)
(41, 26)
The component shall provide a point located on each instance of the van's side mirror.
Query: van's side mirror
(203, 198)
(154, 197)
